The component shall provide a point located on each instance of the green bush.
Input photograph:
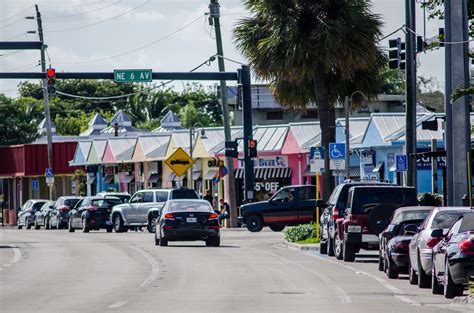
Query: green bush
(301, 232)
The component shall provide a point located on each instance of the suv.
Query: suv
(144, 208)
(334, 209)
(368, 210)
(123, 196)
(292, 205)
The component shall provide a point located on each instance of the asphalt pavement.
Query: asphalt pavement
(57, 271)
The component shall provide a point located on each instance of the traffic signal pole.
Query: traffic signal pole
(46, 98)
(249, 178)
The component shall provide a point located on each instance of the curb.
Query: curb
(468, 300)
(296, 246)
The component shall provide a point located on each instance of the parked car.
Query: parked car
(145, 206)
(394, 240)
(421, 246)
(334, 209)
(123, 196)
(289, 206)
(26, 215)
(41, 215)
(187, 220)
(361, 224)
(58, 217)
(92, 213)
(453, 257)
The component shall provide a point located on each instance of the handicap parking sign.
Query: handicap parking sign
(337, 151)
(402, 163)
(49, 172)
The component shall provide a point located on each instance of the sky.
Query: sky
(163, 35)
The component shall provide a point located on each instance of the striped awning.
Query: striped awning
(266, 172)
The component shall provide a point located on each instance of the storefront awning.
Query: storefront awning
(174, 177)
(91, 179)
(266, 172)
(109, 179)
(211, 174)
(196, 175)
(354, 171)
(127, 179)
(378, 168)
(239, 173)
(393, 168)
(153, 178)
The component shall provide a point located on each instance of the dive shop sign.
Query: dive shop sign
(268, 161)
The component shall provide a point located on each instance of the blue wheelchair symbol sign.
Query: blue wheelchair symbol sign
(337, 151)
(49, 172)
(402, 163)
(34, 184)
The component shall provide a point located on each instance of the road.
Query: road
(57, 271)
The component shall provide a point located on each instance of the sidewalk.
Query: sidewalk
(297, 246)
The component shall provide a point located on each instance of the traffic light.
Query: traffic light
(420, 44)
(252, 148)
(394, 51)
(51, 80)
(231, 149)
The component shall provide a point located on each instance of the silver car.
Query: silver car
(421, 245)
(26, 215)
(144, 208)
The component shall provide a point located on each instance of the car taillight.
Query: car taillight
(169, 216)
(167, 227)
(335, 213)
(213, 216)
(64, 209)
(401, 246)
(467, 246)
(433, 241)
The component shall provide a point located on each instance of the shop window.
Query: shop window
(274, 115)
(313, 114)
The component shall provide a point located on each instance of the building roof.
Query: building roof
(97, 150)
(215, 136)
(357, 128)
(97, 120)
(154, 146)
(42, 127)
(306, 133)
(81, 154)
(121, 118)
(122, 148)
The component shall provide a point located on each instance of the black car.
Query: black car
(453, 258)
(187, 220)
(41, 215)
(395, 261)
(92, 213)
(334, 209)
(289, 206)
(58, 217)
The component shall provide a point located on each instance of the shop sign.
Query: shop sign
(367, 157)
(213, 163)
(267, 186)
(125, 167)
(268, 161)
(424, 163)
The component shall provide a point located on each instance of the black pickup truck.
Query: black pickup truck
(289, 206)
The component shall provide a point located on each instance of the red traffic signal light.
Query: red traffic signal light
(252, 144)
(50, 73)
(252, 148)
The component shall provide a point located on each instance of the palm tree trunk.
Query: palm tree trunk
(327, 118)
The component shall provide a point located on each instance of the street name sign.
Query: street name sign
(179, 162)
(131, 76)
(401, 163)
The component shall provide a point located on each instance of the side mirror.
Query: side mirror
(437, 233)
(321, 204)
(410, 229)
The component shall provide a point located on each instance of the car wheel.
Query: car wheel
(330, 246)
(381, 262)
(424, 281)
(27, 224)
(254, 223)
(70, 228)
(47, 224)
(157, 241)
(163, 242)
(151, 225)
(118, 224)
(339, 248)
(37, 226)
(436, 288)
(412, 276)
(276, 228)
(349, 251)
(451, 290)
(391, 269)
(109, 229)
(323, 247)
(85, 225)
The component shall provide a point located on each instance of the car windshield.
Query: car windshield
(71, 202)
(369, 197)
(105, 203)
(446, 219)
(123, 198)
(410, 215)
(38, 205)
(189, 206)
(184, 194)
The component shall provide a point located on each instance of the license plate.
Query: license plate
(354, 229)
(191, 220)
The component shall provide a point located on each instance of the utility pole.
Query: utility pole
(459, 77)
(448, 125)
(214, 15)
(46, 97)
(410, 44)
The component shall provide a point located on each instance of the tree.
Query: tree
(392, 82)
(313, 51)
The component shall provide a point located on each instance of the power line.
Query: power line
(24, 66)
(102, 21)
(13, 23)
(229, 59)
(139, 48)
(15, 15)
(394, 32)
(62, 5)
(443, 42)
(84, 12)
(14, 37)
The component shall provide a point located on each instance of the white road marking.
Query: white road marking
(118, 304)
(155, 269)
(340, 292)
(17, 255)
(6, 265)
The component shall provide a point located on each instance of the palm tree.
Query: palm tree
(313, 51)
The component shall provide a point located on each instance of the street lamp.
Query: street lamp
(191, 141)
(348, 175)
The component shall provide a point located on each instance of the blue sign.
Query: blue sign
(402, 163)
(337, 151)
(312, 152)
(34, 184)
(49, 172)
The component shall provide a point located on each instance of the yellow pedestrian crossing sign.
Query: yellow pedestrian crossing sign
(179, 162)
